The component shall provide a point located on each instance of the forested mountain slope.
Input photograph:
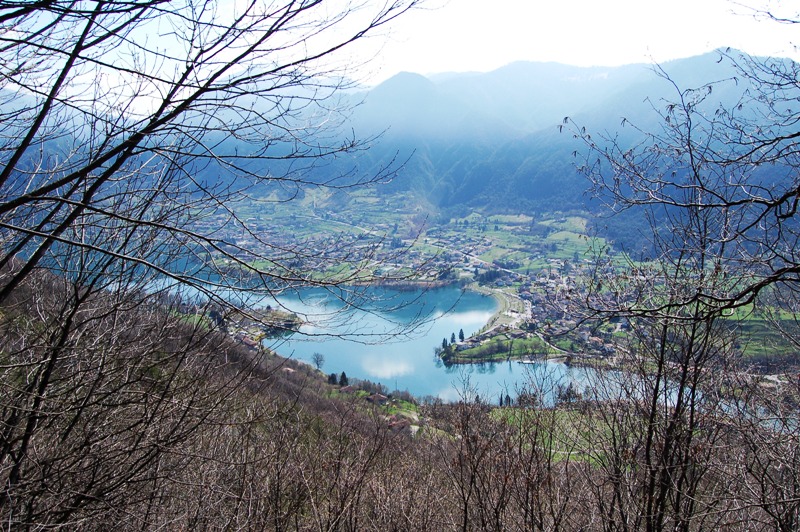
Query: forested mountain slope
(494, 141)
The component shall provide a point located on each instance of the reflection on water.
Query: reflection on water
(383, 368)
(370, 341)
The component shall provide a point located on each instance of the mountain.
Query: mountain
(492, 141)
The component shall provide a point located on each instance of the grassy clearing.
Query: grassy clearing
(759, 340)
(398, 407)
(502, 347)
(518, 219)
(576, 224)
(564, 432)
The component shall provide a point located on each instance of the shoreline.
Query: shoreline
(410, 286)
(498, 295)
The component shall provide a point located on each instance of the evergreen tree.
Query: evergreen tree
(343, 379)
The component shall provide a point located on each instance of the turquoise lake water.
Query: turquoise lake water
(390, 336)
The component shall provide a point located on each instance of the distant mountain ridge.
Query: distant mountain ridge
(491, 140)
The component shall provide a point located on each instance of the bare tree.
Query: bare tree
(718, 186)
(162, 119)
(130, 135)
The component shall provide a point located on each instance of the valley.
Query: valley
(243, 288)
(533, 264)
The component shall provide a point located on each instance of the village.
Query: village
(526, 265)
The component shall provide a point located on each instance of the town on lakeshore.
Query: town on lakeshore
(532, 264)
(525, 262)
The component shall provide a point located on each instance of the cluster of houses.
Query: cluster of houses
(456, 259)
(261, 239)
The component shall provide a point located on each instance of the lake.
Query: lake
(389, 336)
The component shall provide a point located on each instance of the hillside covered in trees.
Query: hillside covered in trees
(180, 426)
(149, 151)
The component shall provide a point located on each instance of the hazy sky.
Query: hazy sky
(463, 35)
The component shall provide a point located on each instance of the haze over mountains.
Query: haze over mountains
(491, 140)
